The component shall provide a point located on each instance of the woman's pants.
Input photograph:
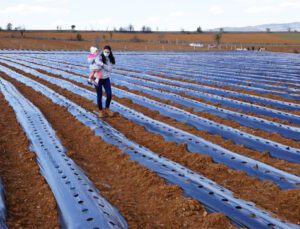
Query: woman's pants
(107, 87)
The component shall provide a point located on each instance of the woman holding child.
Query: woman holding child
(101, 66)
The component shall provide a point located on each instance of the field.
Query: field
(172, 41)
(198, 140)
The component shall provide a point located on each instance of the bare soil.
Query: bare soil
(143, 198)
(265, 194)
(29, 200)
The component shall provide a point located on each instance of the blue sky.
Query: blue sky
(158, 14)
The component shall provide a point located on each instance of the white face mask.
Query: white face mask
(106, 54)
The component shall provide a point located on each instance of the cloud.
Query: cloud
(33, 9)
(102, 21)
(216, 9)
(153, 19)
(261, 9)
(290, 4)
(177, 14)
(273, 8)
(53, 1)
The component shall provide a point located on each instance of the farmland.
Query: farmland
(67, 40)
(198, 140)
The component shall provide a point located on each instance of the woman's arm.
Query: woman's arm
(108, 67)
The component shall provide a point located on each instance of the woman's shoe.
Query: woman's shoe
(108, 112)
(101, 114)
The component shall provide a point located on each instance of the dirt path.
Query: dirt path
(29, 200)
(263, 193)
(140, 195)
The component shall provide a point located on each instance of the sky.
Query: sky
(162, 15)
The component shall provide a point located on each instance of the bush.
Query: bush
(296, 51)
(136, 39)
(79, 37)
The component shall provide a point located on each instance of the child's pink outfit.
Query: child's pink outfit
(95, 67)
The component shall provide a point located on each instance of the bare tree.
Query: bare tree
(121, 29)
(218, 37)
(268, 30)
(199, 30)
(9, 26)
(130, 28)
(146, 29)
(73, 27)
(110, 35)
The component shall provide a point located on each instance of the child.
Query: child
(95, 66)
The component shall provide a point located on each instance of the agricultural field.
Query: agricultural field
(155, 41)
(198, 140)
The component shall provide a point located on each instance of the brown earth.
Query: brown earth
(285, 122)
(245, 92)
(29, 200)
(143, 41)
(269, 95)
(263, 157)
(140, 195)
(168, 36)
(271, 136)
(263, 193)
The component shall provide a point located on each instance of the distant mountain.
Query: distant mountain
(284, 27)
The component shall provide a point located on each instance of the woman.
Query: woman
(108, 60)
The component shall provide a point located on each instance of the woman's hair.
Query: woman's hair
(111, 55)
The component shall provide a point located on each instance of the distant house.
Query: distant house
(196, 44)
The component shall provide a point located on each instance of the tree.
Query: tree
(110, 35)
(73, 27)
(199, 30)
(130, 28)
(146, 29)
(121, 29)
(218, 37)
(79, 37)
(22, 32)
(289, 30)
(9, 26)
(268, 30)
